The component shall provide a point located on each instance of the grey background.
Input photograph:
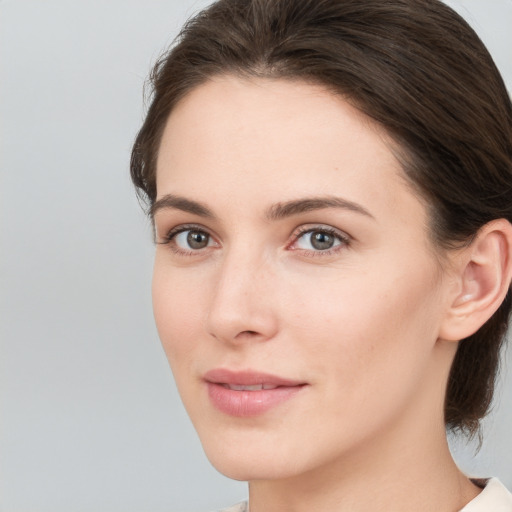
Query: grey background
(90, 418)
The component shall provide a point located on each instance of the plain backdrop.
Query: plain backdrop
(90, 419)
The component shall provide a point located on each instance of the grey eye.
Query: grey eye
(192, 239)
(318, 240)
(321, 241)
(197, 240)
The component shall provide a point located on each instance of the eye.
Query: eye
(188, 239)
(319, 240)
(192, 239)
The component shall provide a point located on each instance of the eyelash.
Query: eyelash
(343, 238)
(170, 238)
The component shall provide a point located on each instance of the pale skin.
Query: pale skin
(248, 170)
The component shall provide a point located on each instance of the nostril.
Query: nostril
(247, 334)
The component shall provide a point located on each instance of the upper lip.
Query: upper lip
(247, 378)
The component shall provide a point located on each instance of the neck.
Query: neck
(410, 479)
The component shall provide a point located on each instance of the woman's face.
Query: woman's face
(296, 291)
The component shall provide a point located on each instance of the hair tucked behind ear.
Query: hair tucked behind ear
(415, 67)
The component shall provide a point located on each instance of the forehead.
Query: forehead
(260, 140)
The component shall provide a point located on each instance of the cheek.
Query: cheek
(369, 333)
(177, 307)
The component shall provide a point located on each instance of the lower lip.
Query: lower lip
(249, 403)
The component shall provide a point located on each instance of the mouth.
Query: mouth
(249, 393)
(254, 387)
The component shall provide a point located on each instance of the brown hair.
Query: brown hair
(415, 67)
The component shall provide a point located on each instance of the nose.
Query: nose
(242, 304)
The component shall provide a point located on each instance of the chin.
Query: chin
(248, 469)
(255, 462)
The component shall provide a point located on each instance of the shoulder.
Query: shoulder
(239, 507)
(494, 498)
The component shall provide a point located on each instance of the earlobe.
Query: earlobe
(484, 274)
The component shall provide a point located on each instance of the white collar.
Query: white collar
(494, 498)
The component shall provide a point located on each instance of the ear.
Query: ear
(484, 273)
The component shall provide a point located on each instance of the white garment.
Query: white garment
(494, 498)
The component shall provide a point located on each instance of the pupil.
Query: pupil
(197, 240)
(321, 241)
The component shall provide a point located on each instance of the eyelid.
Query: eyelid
(342, 236)
(170, 237)
(176, 230)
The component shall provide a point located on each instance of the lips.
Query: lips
(255, 387)
(248, 393)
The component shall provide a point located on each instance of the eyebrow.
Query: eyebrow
(298, 206)
(180, 203)
(275, 212)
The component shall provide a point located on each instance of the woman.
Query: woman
(330, 183)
